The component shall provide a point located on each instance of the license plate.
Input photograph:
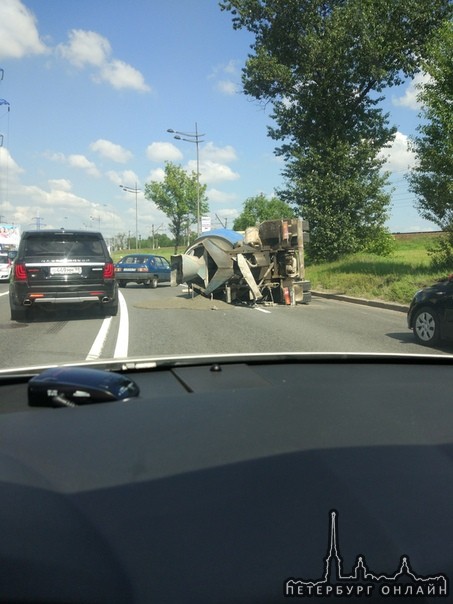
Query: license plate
(65, 270)
(130, 270)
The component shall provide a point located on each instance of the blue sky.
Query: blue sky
(94, 85)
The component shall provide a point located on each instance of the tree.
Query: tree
(120, 240)
(177, 197)
(432, 177)
(259, 208)
(163, 240)
(324, 65)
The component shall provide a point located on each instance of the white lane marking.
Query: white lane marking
(4, 294)
(123, 334)
(122, 341)
(98, 344)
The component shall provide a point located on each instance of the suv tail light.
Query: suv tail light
(109, 270)
(20, 272)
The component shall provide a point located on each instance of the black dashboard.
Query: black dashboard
(255, 480)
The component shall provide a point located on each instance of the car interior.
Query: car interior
(228, 480)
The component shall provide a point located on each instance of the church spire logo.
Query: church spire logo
(362, 581)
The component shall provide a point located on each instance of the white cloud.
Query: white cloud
(111, 151)
(8, 163)
(157, 175)
(409, 98)
(231, 67)
(85, 48)
(88, 48)
(82, 162)
(227, 87)
(218, 154)
(228, 216)
(230, 84)
(121, 75)
(19, 35)
(128, 178)
(212, 171)
(63, 184)
(55, 207)
(65, 200)
(76, 161)
(217, 196)
(213, 164)
(160, 152)
(398, 157)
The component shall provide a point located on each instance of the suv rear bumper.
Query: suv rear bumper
(23, 295)
(66, 300)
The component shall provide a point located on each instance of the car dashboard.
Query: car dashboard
(255, 479)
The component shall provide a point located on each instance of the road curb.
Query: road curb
(376, 303)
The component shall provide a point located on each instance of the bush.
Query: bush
(383, 244)
(441, 252)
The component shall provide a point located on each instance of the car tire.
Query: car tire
(122, 283)
(20, 314)
(426, 326)
(147, 283)
(110, 309)
(154, 282)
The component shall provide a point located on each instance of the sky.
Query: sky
(93, 87)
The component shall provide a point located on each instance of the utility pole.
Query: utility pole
(154, 231)
(38, 221)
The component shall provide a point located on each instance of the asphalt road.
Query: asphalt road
(166, 321)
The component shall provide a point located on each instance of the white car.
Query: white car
(5, 267)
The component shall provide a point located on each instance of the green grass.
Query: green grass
(394, 278)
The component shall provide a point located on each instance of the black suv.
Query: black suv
(62, 267)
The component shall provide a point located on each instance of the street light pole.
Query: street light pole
(192, 138)
(136, 191)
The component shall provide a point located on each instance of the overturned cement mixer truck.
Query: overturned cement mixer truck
(264, 264)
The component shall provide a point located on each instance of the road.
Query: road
(165, 321)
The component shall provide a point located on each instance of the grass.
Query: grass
(166, 252)
(394, 278)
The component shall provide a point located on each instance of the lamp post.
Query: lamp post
(192, 138)
(136, 191)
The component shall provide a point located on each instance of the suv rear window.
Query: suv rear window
(64, 246)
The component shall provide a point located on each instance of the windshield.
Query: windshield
(65, 245)
(277, 157)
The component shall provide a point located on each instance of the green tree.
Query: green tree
(177, 198)
(323, 65)
(163, 240)
(432, 177)
(259, 208)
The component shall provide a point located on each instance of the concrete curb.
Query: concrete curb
(376, 303)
